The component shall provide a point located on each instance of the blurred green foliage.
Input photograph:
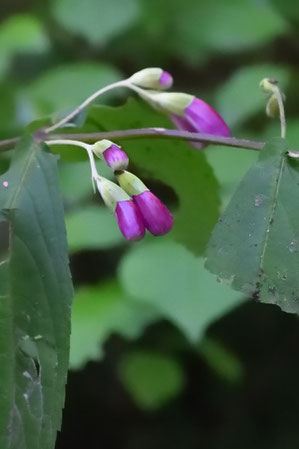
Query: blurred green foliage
(55, 53)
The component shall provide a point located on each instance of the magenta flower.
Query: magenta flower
(188, 113)
(112, 154)
(116, 158)
(129, 220)
(156, 217)
(199, 117)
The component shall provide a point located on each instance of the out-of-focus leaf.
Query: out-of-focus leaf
(222, 360)
(97, 21)
(289, 9)
(75, 179)
(226, 25)
(255, 244)
(36, 293)
(8, 123)
(100, 311)
(20, 34)
(65, 87)
(241, 97)
(173, 163)
(151, 378)
(230, 165)
(92, 227)
(167, 276)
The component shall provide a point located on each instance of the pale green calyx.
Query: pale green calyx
(111, 192)
(147, 78)
(99, 147)
(169, 102)
(131, 183)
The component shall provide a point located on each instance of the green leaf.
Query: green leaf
(96, 21)
(230, 165)
(92, 227)
(65, 87)
(289, 9)
(99, 312)
(222, 360)
(241, 97)
(170, 278)
(255, 244)
(36, 293)
(20, 34)
(172, 162)
(151, 378)
(226, 25)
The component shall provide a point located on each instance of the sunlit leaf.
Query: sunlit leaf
(100, 311)
(167, 276)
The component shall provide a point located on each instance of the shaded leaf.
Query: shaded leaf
(255, 244)
(226, 25)
(289, 9)
(100, 311)
(35, 293)
(222, 360)
(20, 34)
(151, 378)
(170, 278)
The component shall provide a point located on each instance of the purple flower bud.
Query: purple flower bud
(129, 220)
(165, 80)
(156, 217)
(116, 158)
(199, 117)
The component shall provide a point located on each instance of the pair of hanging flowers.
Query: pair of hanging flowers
(134, 206)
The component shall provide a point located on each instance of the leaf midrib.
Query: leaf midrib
(272, 213)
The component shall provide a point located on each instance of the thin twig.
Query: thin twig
(158, 133)
(161, 133)
(8, 144)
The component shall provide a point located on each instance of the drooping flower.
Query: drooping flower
(152, 78)
(126, 212)
(112, 154)
(188, 113)
(200, 117)
(156, 217)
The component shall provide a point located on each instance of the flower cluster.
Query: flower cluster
(135, 207)
(187, 112)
